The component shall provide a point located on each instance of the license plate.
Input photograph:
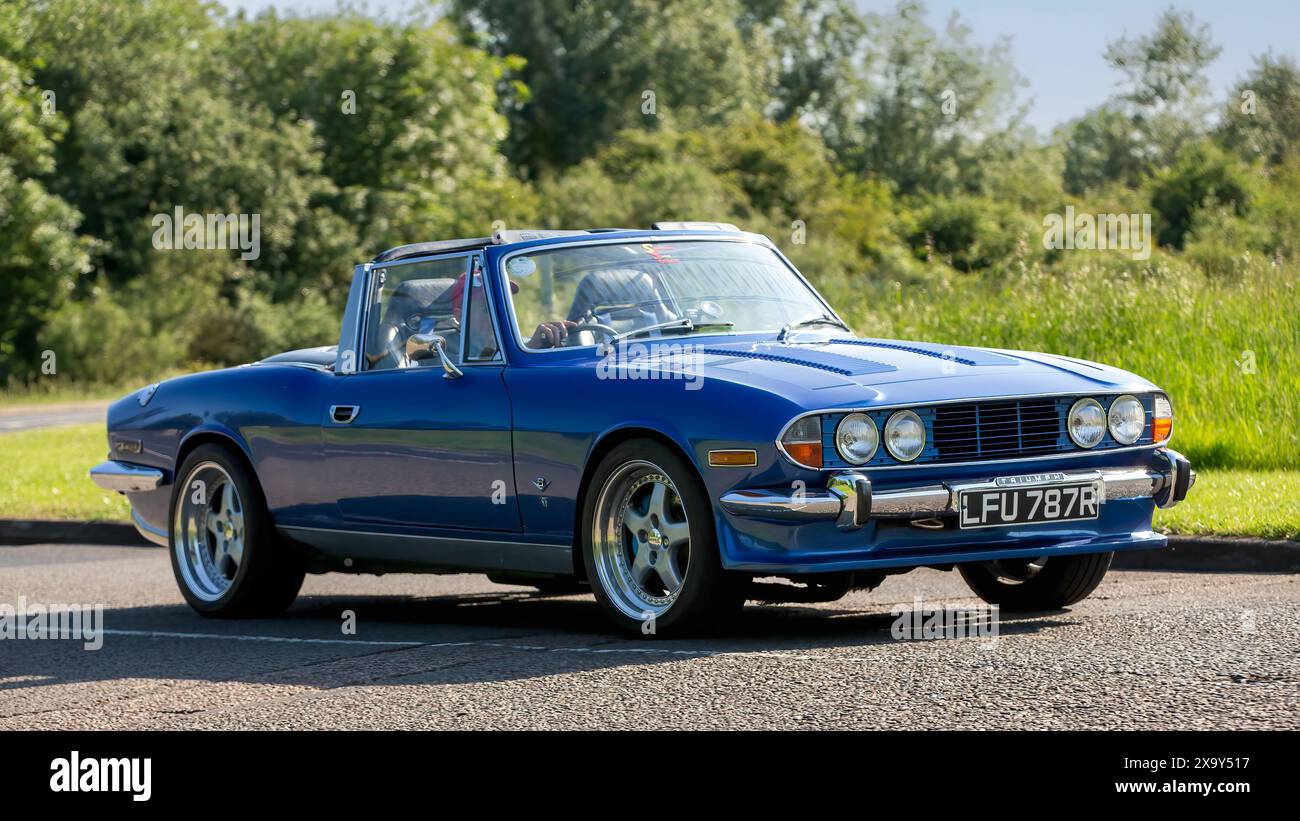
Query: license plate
(1000, 507)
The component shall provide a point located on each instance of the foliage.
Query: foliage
(1262, 116)
(1201, 175)
(1160, 109)
(597, 68)
(885, 155)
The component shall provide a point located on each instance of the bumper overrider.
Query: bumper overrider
(849, 500)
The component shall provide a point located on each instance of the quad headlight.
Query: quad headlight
(1087, 423)
(1127, 419)
(904, 436)
(856, 438)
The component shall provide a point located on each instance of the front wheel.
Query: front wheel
(1036, 584)
(225, 554)
(649, 545)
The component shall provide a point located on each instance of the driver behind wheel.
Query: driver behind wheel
(481, 343)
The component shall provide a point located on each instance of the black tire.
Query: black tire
(1062, 581)
(268, 576)
(708, 594)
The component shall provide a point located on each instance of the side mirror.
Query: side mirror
(425, 346)
(421, 346)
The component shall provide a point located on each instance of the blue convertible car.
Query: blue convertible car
(666, 416)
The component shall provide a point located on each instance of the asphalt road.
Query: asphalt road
(1147, 650)
(29, 417)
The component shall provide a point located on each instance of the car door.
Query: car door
(410, 443)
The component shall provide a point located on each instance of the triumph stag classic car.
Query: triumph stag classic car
(673, 418)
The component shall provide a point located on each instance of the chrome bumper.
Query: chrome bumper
(125, 477)
(850, 501)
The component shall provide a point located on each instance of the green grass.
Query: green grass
(1238, 503)
(1224, 350)
(43, 475)
(51, 390)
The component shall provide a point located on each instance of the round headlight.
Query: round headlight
(1127, 418)
(1087, 423)
(905, 436)
(856, 438)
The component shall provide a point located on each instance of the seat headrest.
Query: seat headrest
(618, 286)
(416, 295)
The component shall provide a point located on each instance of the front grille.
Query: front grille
(979, 431)
(990, 430)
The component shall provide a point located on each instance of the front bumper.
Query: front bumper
(125, 477)
(849, 500)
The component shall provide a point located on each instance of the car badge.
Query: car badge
(541, 483)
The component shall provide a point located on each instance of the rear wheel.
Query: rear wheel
(225, 554)
(649, 545)
(1036, 584)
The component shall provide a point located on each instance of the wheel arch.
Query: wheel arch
(599, 450)
(215, 436)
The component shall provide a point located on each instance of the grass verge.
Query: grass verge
(1263, 503)
(43, 475)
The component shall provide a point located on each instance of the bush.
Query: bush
(969, 233)
(1202, 174)
(1223, 244)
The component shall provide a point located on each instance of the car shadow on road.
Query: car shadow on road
(467, 638)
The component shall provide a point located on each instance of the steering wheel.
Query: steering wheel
(595, 326)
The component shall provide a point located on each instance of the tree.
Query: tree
(1165, 69)
(152, 127)
(596, 68)
(1201, 175)
(932, 101)
(1102, 147)
(40, 253)
(1159, 111)
(820, 55)
(404, 117)
(1262, 115)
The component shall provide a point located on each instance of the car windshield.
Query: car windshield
(586, 294)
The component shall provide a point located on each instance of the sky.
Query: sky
(1056, 45)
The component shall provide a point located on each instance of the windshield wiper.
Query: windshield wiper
(815, 319)
(683, 325)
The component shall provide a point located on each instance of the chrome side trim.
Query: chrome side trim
(775, 504)
(156, 535)
(436, 552)
(125, 477)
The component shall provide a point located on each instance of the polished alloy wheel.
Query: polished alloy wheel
(1016, 571)
(208, 535)
(641, 540)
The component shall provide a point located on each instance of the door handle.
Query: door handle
(343, 414)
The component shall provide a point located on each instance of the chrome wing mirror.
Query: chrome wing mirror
(426, 346)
